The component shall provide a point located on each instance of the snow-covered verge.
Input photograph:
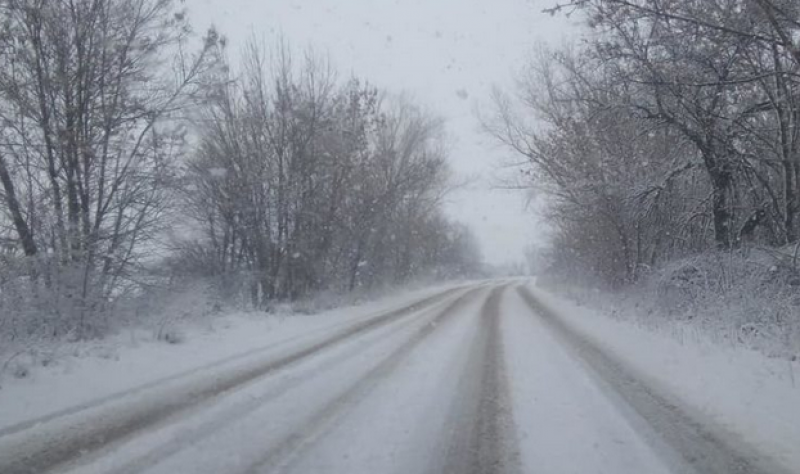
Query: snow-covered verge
(748, 298)
(169, 313)
(48, 378)
(740, 389)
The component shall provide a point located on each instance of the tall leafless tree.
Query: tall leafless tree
(91, 93)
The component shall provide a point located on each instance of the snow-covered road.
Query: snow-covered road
(480, 379)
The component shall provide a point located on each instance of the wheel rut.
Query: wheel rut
(280, 457)
(48, 446)
(481, 434)
(686, 440)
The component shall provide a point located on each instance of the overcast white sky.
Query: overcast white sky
(446, 54)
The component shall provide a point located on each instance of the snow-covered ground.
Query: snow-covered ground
(565, 423)
(753, 396)
(90, 371)
(478, 379)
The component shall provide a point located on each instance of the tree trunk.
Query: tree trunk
(20, 224)
(721, 209)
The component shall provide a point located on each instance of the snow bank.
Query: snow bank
(742, 390)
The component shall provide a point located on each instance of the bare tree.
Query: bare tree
(91, 93)
(300, 184)
(673, 118)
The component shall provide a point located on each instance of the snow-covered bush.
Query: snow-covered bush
(742, 298)
(40, 299)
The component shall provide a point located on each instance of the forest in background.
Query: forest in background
(137, 158)
(666, 140)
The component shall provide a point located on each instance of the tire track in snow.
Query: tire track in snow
(688, 444)
(27, 424)
(281, 456)
(482, 435)
(38, 445)
(231, 415)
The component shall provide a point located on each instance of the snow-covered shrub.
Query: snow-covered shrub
(748, 298)
(40, 299)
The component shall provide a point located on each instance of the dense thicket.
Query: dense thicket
(119, 124)
(671, 130)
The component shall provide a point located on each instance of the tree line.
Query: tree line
(669, 130)
(129, 143)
